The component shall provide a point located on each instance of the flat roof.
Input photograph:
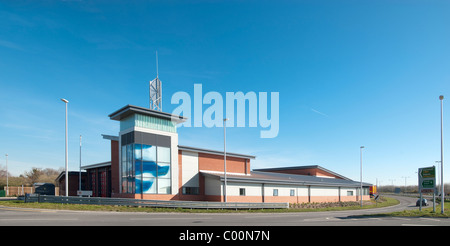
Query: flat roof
(97, 165)
(283, 178)
(63, 173)
(110, 137)
(131, 109)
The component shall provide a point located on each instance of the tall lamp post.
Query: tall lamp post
(225, 159)
(67, 160)
(79, 174)
(360, 175)
(441, 98)
(7, 186)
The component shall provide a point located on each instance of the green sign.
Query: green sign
(428, 172)
(427, 179)
(428, 183)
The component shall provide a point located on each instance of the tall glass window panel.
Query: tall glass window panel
(123, 169)
(149, 169)
(164, 170)
(148, 153)
(148, 185)
(138, 168)
(149, 177)
(129, 167)
(163, 186)
(163, 154)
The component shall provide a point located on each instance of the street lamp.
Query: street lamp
(441, 97)
(361, 190)
(7, 186)
(79, 174)
(225, 159)
(67, 160)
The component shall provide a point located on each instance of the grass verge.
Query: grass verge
(383, 202)
(426, 212)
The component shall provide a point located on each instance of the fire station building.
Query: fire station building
(148, 163)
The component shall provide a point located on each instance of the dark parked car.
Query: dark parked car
(424, 202)
(44, 188)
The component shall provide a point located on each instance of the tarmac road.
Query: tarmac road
(37, 217)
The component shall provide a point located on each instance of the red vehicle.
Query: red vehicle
(373, 190)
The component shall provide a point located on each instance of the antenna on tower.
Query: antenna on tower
(156, 64)
(156, 91)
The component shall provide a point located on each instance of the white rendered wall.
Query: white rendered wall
(189, 169)
(324, 191)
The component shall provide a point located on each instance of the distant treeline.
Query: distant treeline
(28, 178)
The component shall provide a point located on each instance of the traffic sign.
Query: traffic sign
(427, 179)
(428, 172)
(428, 183)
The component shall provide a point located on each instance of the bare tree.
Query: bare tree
(33, 175)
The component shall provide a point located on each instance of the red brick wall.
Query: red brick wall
(73, 183)
(215, 163)
(115, 174)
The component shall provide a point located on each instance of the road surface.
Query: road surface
(36, 217)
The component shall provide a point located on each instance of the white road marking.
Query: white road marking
(416, 225)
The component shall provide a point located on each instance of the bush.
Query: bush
(323, 204)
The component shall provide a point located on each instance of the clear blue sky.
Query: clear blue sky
(349, 73)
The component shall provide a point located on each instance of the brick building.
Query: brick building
(147, 163)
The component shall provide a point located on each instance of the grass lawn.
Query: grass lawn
(383, 202)
(426, 212)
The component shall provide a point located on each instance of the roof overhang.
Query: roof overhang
(97, 165)
(286, 179)
(128, 110)
(110, 137)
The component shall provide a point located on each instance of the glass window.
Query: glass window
(163, 186)
(138, 187)
(148, 153)
(141, 173)
(292, 192)
(149, 169)
(123, 169)
(242, 191)
(137, 168)
(148, 185)
(275, 192)
(129, 169)
(190, 190)
(138, 151)
(163, 154)
(164, 170)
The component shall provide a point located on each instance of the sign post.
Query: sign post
(427, 183)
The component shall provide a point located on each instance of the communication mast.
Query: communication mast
(156, 91)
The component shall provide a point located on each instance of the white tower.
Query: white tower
(156, 91)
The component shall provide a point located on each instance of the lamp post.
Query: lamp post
(437, 175)
(361, 189)
(225, 159)
(441, 98)
(7, 186)
(66, 173)
(79, 174)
